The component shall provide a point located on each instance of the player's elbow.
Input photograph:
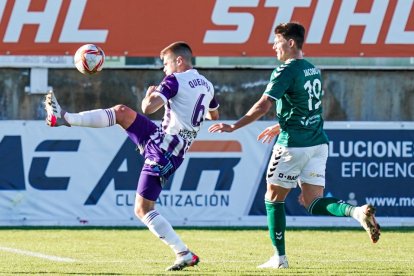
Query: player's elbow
(149, 107)
(145, 109)
(151, 104)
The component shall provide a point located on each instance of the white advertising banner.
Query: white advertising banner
(82, 176)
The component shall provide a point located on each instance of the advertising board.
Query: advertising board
(80, 176)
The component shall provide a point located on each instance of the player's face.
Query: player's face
(170, 64)
(282, 48)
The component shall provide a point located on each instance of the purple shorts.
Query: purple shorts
(158, 165)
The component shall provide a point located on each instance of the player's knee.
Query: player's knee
(301, 200)
(123, 113)
(120, 110)
(306, 201)
(139, 211)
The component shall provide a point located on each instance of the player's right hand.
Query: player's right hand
(150, 89)
(220, 127)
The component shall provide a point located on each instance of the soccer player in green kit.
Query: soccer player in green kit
(301, 149)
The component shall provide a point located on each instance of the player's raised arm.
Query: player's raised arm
(152, 101)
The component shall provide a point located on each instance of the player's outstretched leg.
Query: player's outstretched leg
(54, 111)
(189, 259)
(366, 217)
(275, 262)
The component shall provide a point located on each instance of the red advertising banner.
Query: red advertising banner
(335, 28)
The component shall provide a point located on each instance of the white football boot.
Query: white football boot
(54, 112)
(190, 259)
(366, 217)
(276, 262)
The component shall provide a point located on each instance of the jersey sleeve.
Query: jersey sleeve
(167, 88)
(213, 104)
(280, 80)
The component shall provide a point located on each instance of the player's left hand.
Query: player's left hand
(269, 134)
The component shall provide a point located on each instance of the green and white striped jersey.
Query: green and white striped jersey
(296, 86)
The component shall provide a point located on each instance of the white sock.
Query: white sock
(161, 228)
(93, 118)
(356, 213)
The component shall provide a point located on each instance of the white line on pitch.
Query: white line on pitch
(38, 255)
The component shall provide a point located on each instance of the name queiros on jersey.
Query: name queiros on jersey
(390, 159)
(199, 82)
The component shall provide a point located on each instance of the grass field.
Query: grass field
(222, 251)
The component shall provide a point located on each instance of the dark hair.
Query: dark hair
(292, 30)
(179, 48)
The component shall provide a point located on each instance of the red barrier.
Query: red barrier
(336, 28)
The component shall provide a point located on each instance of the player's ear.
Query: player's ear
(291, 43)
(179, 60)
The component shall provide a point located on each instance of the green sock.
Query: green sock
(330, 206)
(276, 221)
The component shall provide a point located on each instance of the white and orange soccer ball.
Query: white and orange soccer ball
(89, 59)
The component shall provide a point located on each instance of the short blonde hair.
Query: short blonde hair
(179, 48)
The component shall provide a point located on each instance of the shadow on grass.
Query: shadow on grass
(196, 228)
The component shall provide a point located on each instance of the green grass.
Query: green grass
(222, 251)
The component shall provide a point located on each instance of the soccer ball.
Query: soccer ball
(89, 59)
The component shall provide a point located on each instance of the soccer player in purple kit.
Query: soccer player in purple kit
(188, 99)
